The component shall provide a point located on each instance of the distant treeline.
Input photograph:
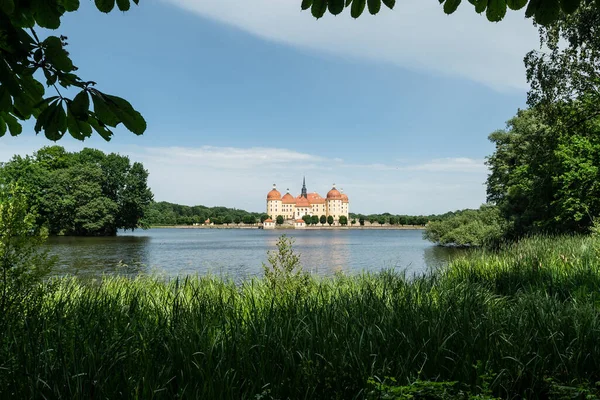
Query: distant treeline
(164, 213)
(391, 219)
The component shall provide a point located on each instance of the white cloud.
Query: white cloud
(241, 177)
(416, 35)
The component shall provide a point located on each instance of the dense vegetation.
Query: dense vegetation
(25, 58)
(164, 213)
(87, 193)
(543, 12)
(387, 218)
(520, 322)
(482, 227)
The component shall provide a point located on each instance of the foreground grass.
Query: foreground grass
(521, 322)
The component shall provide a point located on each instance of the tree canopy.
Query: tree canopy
(544, 12)
(88, 193)
(25, 58)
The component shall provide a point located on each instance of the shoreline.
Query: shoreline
(308, 228)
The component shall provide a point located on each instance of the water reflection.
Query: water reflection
(239, 254)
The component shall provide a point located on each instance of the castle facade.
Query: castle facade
(336, 204)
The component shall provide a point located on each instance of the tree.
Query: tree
(343, 220)
(544, 13)
(467, 228)
(545, 178)
(393, 220)
(565, 76)
(227, 219)
(314, 220)
(330, 220)
(24, 57)
(279, 220)
(323, 219)
(361, 220)
(249, 219)
(22, 264)
(263, 217)
(353, 221)
(381, 220)
(87, 193)
(306, 219)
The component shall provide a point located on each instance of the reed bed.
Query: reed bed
(512, 323)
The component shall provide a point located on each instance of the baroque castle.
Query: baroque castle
(293, 208)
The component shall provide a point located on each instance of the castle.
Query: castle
(293, 208)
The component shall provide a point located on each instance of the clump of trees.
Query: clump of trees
(86, 193)
(165, 213)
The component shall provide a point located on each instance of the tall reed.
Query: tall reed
(513, 319)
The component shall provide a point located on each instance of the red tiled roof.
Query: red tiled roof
(274, 195)
(288, 199)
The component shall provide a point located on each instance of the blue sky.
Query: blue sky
(395, 108)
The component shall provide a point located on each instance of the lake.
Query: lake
(239, 253)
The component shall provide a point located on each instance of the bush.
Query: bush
(483, 227)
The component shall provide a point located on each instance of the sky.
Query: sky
(238, 95)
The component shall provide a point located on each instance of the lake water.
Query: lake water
(239, 253)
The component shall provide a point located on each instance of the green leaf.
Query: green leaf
(389, 3)
(80, 105)
(318, 8)
(24, 105)
(335, 6)
(480, 6)
(516, 4)
(132, 119)
(496, 10)
(102, 130)
(70, 5)
(103, 111)
(358, 6)
(306, 4)
(43, 118)
(2, 127)
(5, 100)
(7, 6)
(56, 125)
(47, 13)
(13, 125)
(8, 79)
(569, 6)
(548, 12)
(374, 6)
(531, 8)
(105, 6)
(56, 54)
(451, 5)
(73, 126)
(123, 5)
(348, 2)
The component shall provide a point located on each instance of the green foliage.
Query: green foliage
(88, 193)
(330, 220)
(22, 264)
(544, 179)
(521, 322)
(323, 219)
(415, 220)
(284, 272)
(544, 13)
(343, 220)
(279, 220)
(483, 227)
(24, 57)
(361, 220)
(314, 220)
(307, 219)
(165, 213)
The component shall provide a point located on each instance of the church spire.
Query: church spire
(304, 188)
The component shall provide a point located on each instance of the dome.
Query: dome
(314, 198)
(344, 198)
(288, 198)
(274, 194)
(334, 194)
